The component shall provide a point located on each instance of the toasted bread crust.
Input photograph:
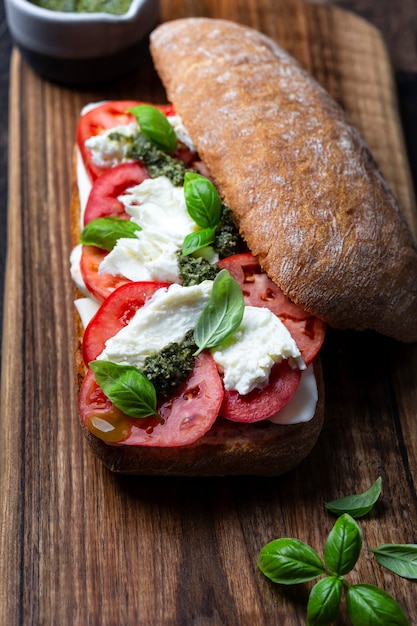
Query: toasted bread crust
(228, 448)
(304, 189)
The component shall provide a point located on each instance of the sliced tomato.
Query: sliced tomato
(108, 115)
(99, 285)
(308, 331)
(117, 311)
(103, 199)
(186, 416)
(260, 404)
(97, 120)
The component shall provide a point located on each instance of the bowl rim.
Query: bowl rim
(50, 15)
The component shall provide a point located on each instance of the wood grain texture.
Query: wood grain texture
(399, 27)
(79, 545)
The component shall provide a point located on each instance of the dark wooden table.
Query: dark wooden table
(81, 546)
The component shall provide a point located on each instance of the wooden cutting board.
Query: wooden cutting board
(81, 546)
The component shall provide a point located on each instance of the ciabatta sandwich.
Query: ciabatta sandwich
(311, 207)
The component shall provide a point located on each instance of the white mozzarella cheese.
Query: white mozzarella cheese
(248, 356)
(302, 406)
(181, 132)
(160, 210)
(108, 151)
(164, 319)
(87, 308)
(75, 270)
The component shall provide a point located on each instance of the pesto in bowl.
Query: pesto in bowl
(117, 7)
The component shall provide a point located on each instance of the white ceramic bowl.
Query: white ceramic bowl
(81, 48)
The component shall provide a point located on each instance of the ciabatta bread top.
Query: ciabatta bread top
(305, 191)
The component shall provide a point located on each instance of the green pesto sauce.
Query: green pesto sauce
(158, 162)
(117, 7)
(227, 241)
(193, 270)
(170, 367)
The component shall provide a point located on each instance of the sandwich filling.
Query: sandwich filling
(170, 228)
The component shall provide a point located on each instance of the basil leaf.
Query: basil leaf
(343, 545)
(356, 505)
(197, 240)
(222, 314)
(126, 386)
(372, 606)
(399, 558)
(202, 200)
(289, 562)
(104, 232)
(155, 127)
(324, 601)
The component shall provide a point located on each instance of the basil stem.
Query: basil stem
(222, 315)
(356, 505)
(126, 386)
(324, 601)
(155, 127)
(104, 232)
(290, 561)
(367, 604)
(343, 545)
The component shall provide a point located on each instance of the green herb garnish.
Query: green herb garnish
(367, 604)
(126, 386)
(104, 232)
(324, 600)
(203, 202)
(155, 127)
(222, 314)
(290, 561)
(197, 240)
(205, 207)
(399, 558)
(357, 505)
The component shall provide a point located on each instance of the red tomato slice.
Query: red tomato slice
(96, 121)
(108, 115)
(187, 415)
(114, 314)
(103, 199)
(258, 289)
(99, 285)
(260, 404)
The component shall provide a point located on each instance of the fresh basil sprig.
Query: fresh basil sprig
(356, 505)
(399, 558)
(155, 127)
(291, 561)
(222, 315)
(197, 240)
(104, 232)
(126, 386)
(202, 200)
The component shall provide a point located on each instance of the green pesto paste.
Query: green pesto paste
(117, 7)
(171, 366)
